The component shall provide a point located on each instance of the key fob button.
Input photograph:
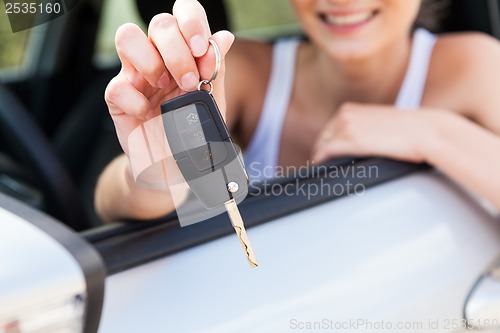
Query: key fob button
(190, 116)
(199, 135)
(193, 137)
(208, 156)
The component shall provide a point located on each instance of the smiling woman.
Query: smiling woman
(365, 83)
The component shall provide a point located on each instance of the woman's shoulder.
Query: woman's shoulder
(250, 57)
(467, 52)
(248, 66)
(464, 64)
(469, 47)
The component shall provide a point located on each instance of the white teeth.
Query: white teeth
(348, 19)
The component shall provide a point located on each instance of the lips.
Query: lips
(348, 19)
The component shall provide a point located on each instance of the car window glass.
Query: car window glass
(261, 19)
(13, 46)
(114, 14)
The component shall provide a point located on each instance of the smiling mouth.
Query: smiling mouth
(347, 20)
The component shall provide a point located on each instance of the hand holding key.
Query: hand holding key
(166, 63)
(161, 65)
(172, 60)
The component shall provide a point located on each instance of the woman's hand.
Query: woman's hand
(456, 146)
(375, 130)
(168, 62)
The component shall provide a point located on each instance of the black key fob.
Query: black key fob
(203, 149)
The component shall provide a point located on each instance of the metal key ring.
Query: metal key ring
(206, 82)
(218, 60)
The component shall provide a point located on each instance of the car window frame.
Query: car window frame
(128, 244)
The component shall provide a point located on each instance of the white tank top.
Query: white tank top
(261, 157)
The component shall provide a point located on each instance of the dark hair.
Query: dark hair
(432, 12)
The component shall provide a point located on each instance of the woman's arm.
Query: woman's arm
(463, 150)
(467, 153)
(118, 197)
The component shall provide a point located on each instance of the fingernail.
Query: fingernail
(189, 81)
(163, 81)
(198, 45)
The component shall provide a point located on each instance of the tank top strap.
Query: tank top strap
(261, 157)
(411, 92)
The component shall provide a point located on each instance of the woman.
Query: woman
(364, 84)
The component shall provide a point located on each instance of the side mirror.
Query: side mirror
(482, 305)
(51, 279)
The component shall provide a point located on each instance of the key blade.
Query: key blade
(237, 221)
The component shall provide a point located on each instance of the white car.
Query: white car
(402, 256)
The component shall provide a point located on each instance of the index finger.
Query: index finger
(193, 24)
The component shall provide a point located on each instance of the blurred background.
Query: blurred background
(248, 19)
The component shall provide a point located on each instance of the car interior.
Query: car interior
(56, 134)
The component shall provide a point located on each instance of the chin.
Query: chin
(355, 51)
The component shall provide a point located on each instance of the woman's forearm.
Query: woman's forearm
(466, 152)
(118, 197)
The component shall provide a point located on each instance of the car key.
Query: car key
(206, 155)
